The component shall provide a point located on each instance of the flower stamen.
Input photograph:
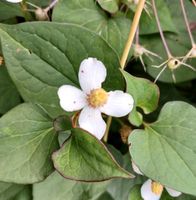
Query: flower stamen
(97, 97)
(156, 188)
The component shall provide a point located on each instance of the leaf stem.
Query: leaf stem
(132, 32)
(187, 23)
(109, 121)
(160, 30)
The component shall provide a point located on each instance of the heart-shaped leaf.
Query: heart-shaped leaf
(87, 13)
(27, 139)
(145, 94)
(41, 57)
(77, 159)
(166, 150)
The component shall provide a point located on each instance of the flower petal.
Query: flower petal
(147, 193)
(92, 74)
(91, 120)
(136, 168)
(118, 104)
(14, 1)
(71, 98)
(172, 192)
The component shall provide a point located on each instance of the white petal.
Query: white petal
(14, 1)
(92, 74)
(118, 104)
(71, 98)
(172, 192)
(136, 168)
(147, 193)
(91, 120)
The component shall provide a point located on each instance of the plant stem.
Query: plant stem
(187, 23)
(125, 54)
(137, 35)
(51, 5)
(109, 120)
(160, 30)
(132, 32)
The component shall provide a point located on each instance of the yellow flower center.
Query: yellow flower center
(156, 188)
(97, 97)
(173, 63)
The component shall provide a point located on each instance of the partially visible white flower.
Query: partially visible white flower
(14, 1)
(152, 190)
(92, 99)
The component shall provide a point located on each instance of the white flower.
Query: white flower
(14, 1)
(152, 190)
(92, 99)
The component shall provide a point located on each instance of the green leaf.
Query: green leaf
(178, 48)
(179, 45)
(109, 5)
(145, 94)
(177, 17)
(55, 187)
(9, 96)
(105, 196)
(27, 139)
(166, 150)
(135, 193)
(62, 123)
(148, 23)
(83, 157)
(86, 13)
(119, 188)
(25, 194)
(9, 10)
(9, 190)
(41, 57)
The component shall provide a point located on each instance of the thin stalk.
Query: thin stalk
(109, 121)
(125, 54)
(137, 35)
(187, 23)
(160, 30)
(132, 32)
(51, 5)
